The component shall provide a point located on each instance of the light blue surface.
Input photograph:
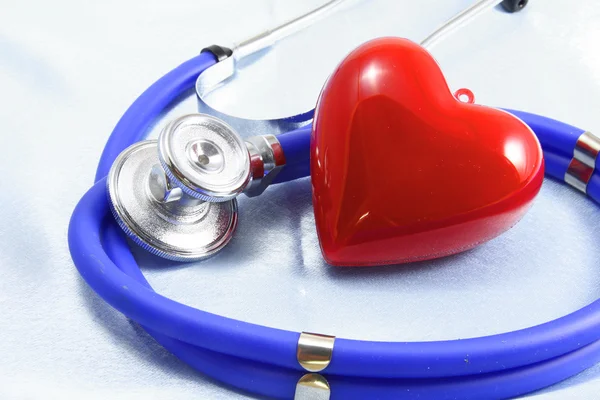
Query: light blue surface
(69, 70)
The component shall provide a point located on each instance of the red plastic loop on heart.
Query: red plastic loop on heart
(467, 93)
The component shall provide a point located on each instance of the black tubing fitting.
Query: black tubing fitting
(514, 5)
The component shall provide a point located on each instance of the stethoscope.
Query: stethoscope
(149, 177)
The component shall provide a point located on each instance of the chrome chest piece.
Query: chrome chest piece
(175, 196)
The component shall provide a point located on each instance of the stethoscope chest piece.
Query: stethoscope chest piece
(174, 196)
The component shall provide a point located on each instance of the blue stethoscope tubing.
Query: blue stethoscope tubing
(263, 360)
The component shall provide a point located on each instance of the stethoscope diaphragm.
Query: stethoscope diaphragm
(158, 215)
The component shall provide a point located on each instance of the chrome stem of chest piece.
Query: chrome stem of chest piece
(175, 196)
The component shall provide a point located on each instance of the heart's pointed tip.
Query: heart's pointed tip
(337, 261)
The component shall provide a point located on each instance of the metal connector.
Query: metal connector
(220, 52)
(266, 160)
(314, 351)
(583, 164)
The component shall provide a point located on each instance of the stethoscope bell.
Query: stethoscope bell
(175, 197)
(204, 157)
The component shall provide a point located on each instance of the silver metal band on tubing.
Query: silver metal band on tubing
(583, 164)
(314, 353)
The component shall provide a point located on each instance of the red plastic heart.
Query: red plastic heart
(403, 171)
